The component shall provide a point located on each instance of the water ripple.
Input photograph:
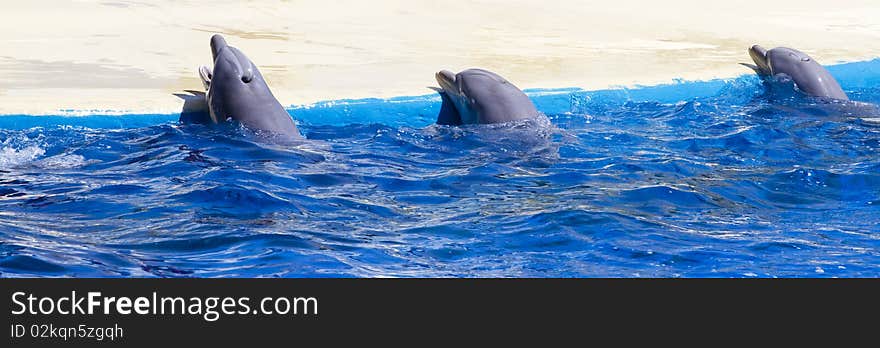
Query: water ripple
(738, 184)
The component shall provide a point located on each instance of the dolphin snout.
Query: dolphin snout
(759, 56)
(218, 43)
(759, 50)
(446, 79)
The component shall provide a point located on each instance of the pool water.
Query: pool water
(722, 178)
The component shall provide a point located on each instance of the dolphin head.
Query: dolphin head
(759, 56)
(809, 76)
(231, 66)
(481, 96)
(237, 90)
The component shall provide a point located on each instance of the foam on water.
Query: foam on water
(714, 178)
(12, 157)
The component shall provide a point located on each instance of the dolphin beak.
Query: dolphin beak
(759, 55)
(218, 43)
(244, 65)
(446, 79)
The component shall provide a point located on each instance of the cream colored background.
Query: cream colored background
(130, 56)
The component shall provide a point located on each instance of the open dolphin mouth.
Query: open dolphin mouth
(446, 79)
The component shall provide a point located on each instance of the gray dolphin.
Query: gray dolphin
(809, 76)
(236, 90)
(480, 97)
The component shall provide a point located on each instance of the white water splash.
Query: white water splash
(12, 157)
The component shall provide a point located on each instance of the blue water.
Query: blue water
(724, 178)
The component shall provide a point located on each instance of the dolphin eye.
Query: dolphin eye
(805, 59)
(248, 74)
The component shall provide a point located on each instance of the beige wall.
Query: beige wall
(131, 55)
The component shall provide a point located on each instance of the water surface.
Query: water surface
(694, 179)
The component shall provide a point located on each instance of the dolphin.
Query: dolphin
(236, 90)
(808, 75)
(477, 96)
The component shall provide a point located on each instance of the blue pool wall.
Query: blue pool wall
(420, 111)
